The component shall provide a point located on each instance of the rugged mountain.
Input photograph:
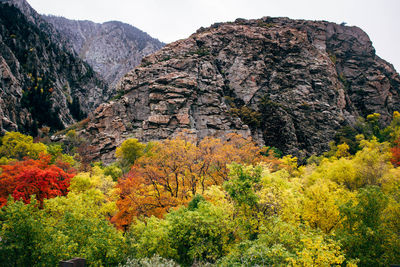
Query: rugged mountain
(39, 21)
(112, 48)
(42, 82)
(289, 83)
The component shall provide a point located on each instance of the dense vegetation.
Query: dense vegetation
(207, 202)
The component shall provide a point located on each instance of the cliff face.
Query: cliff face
(112, 48)
(42, 82)
(288, 83)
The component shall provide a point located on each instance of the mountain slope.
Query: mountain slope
(289, 83)
(42, 82)
(38, 20)
(112, 48)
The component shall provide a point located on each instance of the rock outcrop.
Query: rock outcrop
(289, 83)
(112, 48)
(42, 82)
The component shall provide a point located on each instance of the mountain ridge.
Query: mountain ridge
(287, 83)
(50, 86)
(112, 48)
(44, 82)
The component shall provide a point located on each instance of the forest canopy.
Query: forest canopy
(223, 202)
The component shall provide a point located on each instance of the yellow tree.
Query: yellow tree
(322, 202)
(91, 194)
(18, 146)
(281, 195)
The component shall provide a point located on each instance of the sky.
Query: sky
(170, 20)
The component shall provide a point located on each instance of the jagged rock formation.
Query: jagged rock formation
(42, 83)
(112, 48)
(288, 83)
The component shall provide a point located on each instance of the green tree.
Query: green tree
(114, 171)
(22, 233)
(242, 187)
(56, 152)
(284, 244)
(78, 235)
(17, 146)
(150, 237)
(129, 151)
(363, 234)
(201, 233)
(77, 224)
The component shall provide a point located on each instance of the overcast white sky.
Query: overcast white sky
(170, 20)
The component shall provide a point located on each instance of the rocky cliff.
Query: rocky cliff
(288, 83)
(33, 17)
(112, 48)
(42, 82)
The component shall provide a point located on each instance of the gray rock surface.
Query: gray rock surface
(112, 48)
(289, 83)
(42, 82)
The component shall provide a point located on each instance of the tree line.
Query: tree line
(184, 202)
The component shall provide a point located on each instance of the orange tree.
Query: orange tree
(174, 170)
(396, 153)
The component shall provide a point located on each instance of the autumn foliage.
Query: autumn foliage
(396, 154)
(21, 179)
(210, 202)
(174, 170)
